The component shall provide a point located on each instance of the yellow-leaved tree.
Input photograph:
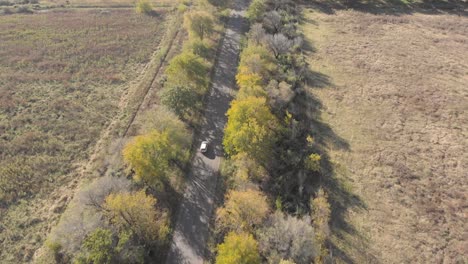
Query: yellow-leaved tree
(156, 156)
(238, 249)
(188, 69)
(199, 24)
(136, 212)
(242, 211)
(251, 128)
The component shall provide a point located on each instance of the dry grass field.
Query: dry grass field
(106, 3)
(62, 76)
(394, 88)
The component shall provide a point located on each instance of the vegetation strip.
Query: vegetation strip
(271, 151)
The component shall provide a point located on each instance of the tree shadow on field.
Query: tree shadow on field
(392, 7)
(308, 110)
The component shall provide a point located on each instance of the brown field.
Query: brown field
(394, 88)
(106, 3)
(62, 76)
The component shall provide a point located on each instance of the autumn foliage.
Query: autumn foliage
(136, 212)
(242, 211)
(238, 249)
(154, 157)
(251, 128)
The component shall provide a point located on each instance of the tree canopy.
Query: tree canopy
(251, 128)
(242, 211)
(136, 212)
(188, 69)
(238, 249)
(199, 23)
(287, 237)
(154, 156)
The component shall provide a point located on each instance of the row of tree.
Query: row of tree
(271, 153)
(187, 76)
(126, 219)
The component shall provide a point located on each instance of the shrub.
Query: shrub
(219, 3)
(98, 248)
(144, 7)
(238, 249)
(312, 162)
(286, 262)
(24, 10)
(5, 3)
(182, 8)
(95, 194)
(321, 213)
(7, 11)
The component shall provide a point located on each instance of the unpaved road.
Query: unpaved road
(192, 229)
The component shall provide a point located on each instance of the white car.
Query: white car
(204, 146)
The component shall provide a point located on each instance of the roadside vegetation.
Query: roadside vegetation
(127, 215)
(274, 207)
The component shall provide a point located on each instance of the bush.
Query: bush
(182, 8)
(98, 248)
(144, 7)
(312, 162)
(7, 11)
(95, 194)
(321, 213)
(5, 3)
(24, 10)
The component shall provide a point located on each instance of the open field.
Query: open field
(393, 87)
(105, 3)
(62, 76)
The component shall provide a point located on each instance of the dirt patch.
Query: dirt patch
(399, 97)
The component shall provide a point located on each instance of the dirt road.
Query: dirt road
(192, 229)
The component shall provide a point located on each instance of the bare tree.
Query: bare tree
(257, 33)
(272, 22)
(280, 94)
(287, 237)
(95, 194)
(279, 44)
